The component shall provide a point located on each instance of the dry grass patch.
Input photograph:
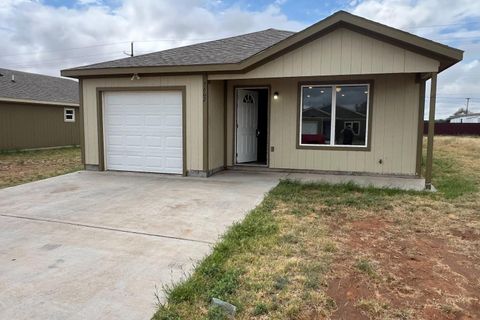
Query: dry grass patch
(21, 167)
(316, 251)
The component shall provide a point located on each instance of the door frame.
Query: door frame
(235, 106)
(102, 154)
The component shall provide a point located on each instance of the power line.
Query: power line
(57, 61)
(98, 45)
(62, 50)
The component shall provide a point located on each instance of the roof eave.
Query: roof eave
(41, 102)
(79, 73)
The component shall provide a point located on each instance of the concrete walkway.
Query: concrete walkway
(402, 183)
(96, 245)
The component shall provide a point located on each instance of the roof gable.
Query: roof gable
(252, 58)
(339, 52)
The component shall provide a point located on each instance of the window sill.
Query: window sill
(333, 148)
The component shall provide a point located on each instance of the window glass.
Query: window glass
(69, 115)
(351, 115)
(316, 115)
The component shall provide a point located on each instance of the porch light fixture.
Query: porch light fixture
(275, 95)
(135, 76)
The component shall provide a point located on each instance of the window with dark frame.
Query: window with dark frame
(334, 115)
(69, 115)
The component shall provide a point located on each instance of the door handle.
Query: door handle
(258, 133)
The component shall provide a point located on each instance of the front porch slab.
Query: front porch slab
(390, 182)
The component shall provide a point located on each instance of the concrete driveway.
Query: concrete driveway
(96, 245)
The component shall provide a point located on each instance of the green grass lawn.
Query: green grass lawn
(26, 166)
(317, 251)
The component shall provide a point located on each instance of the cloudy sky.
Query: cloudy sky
(46, 36)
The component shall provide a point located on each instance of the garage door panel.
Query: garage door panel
(153, 141)
(151, 120)
(173, 121)
(133, 120)
(143, 131)
(174, 142)
(134, 141)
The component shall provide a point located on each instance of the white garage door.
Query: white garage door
(143, 131)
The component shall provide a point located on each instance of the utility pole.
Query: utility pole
(468, 100)
(131, 50)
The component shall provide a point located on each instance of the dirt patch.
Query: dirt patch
(414, 275)
(466, 234)
(22, 167)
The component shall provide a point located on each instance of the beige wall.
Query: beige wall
(341, 52)
(29, 126)
(394, 128)
(216, 107)
(194, 115)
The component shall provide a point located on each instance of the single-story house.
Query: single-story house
(37, 111)
(465, 118)
(274, 99)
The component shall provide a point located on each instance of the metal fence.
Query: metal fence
(454, 129)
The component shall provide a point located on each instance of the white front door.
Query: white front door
(247, 123)
(143, 131)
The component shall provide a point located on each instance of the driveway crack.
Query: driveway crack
(76, 224)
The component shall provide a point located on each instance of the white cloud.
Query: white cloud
(40, 37)
(444, 21)
(88, 2)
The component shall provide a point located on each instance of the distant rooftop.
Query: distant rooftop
(37, 87)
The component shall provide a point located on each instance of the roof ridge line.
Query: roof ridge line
(36, 74)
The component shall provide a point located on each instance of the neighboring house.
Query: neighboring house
(465, 118)
(276, 99)
(37, 111)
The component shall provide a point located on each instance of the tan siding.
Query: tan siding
(394, 128)
(194, 116)
(24, 126)
(341, 52)
(216, 119)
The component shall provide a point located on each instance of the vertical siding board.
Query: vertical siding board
(357, 54)
(326, 55)
(367, 55)
(377, 54)
(215, 124)
(380, 109)
(346, 53)
(316, 57)
(336, 52)
(288, 64)
(307, 51)
(388, 57)
(398, 60)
